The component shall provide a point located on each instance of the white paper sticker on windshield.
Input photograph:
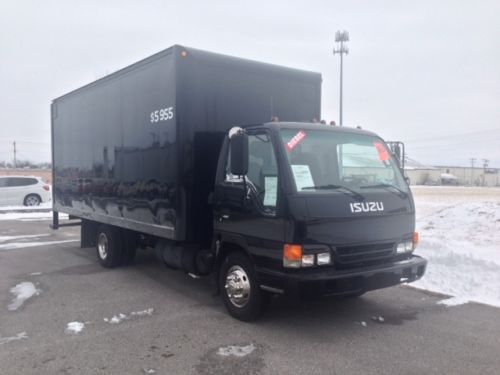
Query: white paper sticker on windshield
(302, 175)
(271, 186)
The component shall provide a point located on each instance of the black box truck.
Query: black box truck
(217, 164)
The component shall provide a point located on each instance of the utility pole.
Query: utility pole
(485, 165)
(341, 38)
(15, 159)
(472, 161)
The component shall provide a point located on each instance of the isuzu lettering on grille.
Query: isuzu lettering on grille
(366, 207)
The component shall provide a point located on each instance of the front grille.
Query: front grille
(362, 255)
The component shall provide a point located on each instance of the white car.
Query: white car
(23, 190)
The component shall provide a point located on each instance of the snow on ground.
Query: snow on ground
(75, 327)
(19, 336)
(22, 245)
(235, 350)
(116, 319)
(22, 292)
(41, 207)
(10, 238)
(22, 241)
(460, 237)
(30, 216)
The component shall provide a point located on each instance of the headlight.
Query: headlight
(404, 247)
(307, 260)
(324, 258)
(315, 255)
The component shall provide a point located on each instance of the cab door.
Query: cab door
(247, 209)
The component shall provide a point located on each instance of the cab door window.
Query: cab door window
(262, 170)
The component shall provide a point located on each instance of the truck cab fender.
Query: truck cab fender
(225, 244)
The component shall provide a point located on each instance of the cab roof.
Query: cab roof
(310, 126)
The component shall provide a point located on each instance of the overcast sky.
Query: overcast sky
(424, 72)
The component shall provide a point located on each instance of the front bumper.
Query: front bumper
(329, 282)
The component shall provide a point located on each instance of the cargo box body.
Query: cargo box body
(139, 148)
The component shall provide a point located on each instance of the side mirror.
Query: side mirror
(239, 154)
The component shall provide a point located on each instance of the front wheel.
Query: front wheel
(240, 290)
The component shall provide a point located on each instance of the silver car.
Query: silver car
(23, 190)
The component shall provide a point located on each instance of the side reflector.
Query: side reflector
(415, 240)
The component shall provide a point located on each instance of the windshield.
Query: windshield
(323, 160)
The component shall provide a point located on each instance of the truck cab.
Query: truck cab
(308, 209)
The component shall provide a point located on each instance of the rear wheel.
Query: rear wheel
(109, 246)
(241, 294)
(32, 200)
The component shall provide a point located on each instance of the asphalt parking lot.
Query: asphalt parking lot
(172, 324)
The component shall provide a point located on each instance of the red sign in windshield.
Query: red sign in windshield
(383, 155)
(297, 138)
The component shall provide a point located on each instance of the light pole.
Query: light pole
(341, 38)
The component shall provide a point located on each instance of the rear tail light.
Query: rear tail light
(46, 187)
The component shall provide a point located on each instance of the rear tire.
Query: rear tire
(109, 246)
(32, 200)
(240, 290)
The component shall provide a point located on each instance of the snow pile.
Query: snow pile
(22, 292)
(236, 351)
(19, 336)
(41, 207)
(75, 327)
(116, 319)
(461, 241)
(143, 312)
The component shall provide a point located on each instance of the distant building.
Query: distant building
(420, 174)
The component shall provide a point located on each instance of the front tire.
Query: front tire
(240, 289)
(109, 246)
(32, 200)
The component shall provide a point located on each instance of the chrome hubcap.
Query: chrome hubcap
(237, 286)
(102, 246)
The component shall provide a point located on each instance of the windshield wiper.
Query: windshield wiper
(336, 187)
(393, 188)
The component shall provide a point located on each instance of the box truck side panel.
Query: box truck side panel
(115, 157)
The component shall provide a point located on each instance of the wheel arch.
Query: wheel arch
(226, 244)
